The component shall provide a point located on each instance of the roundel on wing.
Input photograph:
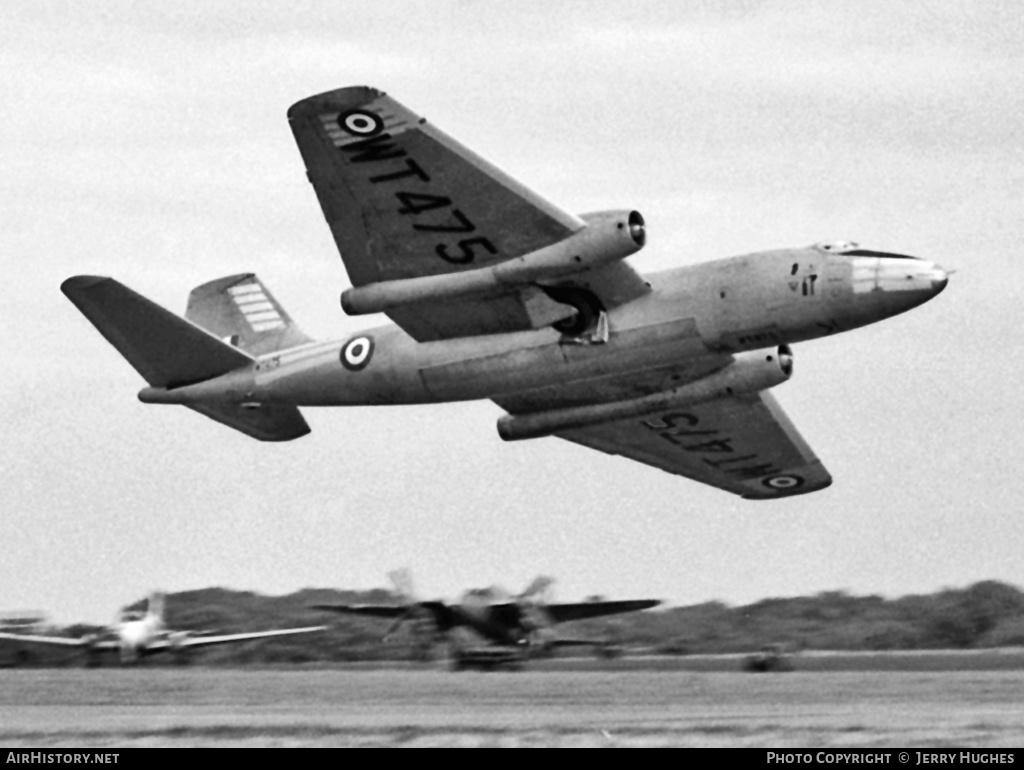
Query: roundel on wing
(360, 123)
(784, 482)
(356, 353)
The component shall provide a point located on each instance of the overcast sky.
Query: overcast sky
(149, 142)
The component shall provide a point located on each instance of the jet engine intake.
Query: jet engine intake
(747, 373)
(606, 237)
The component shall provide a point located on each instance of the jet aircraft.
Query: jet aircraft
(516, 627)
(137, 634)
(497, 293)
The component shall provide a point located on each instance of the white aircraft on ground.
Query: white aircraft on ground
(497, 293)
(138, 634)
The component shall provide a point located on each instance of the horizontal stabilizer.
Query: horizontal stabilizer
(166, 350)
(266, 422)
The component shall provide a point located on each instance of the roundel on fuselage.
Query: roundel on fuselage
(356, 353)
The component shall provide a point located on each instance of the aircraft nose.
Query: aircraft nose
(893, 283)
(911, 275)
(929, 278)
(939, 278)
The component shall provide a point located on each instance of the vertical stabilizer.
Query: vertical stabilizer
(155, 608)
(241, 311)
(401, 579)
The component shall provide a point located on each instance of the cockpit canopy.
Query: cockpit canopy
(852, 249)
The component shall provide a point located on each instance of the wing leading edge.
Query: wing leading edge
(369, 610)
(56, 641)
(210, 641)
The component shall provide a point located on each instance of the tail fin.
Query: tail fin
(166, 350)
(155, 607)
(401, 579)
(240, 310)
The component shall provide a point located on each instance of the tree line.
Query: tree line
(985, 614)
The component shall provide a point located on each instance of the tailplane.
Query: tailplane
(241, 311)
(172, 353)
(166, 350)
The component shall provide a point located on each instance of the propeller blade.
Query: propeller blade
(401, 579)
(395, 625)
(539, 586)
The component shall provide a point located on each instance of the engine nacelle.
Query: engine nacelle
(537, 627)
(747, 373)
(607, 237)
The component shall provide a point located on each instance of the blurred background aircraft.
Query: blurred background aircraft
(138, 633)
(488, 627)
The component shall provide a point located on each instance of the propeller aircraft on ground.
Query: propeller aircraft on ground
(497, 293)
(137, 634)
(514, 627)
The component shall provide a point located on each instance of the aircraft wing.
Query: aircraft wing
(745, 445)
(57, 641)
(563, 613)
(444, 615)
(405, 200)
(370, 610)
(511, 613)
(209, 641)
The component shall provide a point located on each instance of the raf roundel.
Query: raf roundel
(360, 123)
(356, 353)
(783, 482)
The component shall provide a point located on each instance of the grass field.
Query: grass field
(416, 707)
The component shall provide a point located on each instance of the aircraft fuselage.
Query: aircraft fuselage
(483, 620)
(732, 305)
(134, 637)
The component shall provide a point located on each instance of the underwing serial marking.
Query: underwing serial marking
(676, 427)
(361, 137)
